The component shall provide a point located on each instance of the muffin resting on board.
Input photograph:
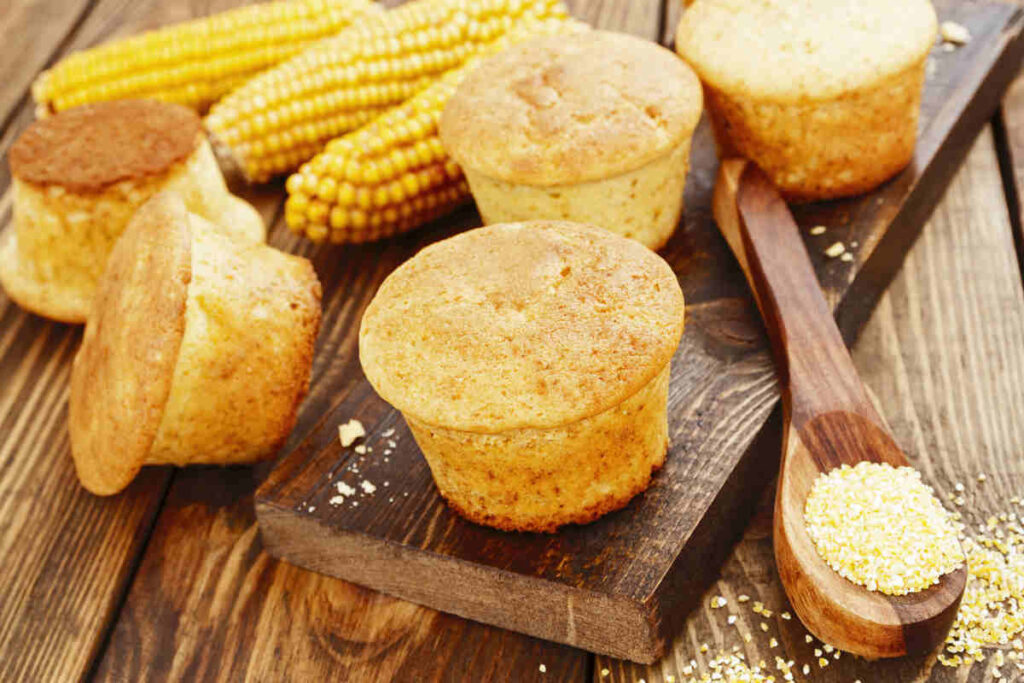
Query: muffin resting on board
(531, 362)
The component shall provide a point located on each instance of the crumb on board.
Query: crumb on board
(835, 250)
(344, 489)
(360, 449)
(350, 431)
(954, 33)
(818, 230)
(846, 256)
(367, 486)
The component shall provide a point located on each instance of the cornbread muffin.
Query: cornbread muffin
(593, 127)
(78, 178)
(531, 362)
(823, 95)
(197, 350)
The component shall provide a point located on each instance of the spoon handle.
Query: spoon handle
(818, 375)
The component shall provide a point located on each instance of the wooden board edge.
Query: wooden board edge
(611, 625)
(688, 578)
(887, 258)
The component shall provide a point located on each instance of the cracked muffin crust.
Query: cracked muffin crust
(79, 176)
(593, 127)
(531, 362)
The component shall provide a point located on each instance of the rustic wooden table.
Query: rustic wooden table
(169, 579)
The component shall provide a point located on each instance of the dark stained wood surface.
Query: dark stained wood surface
(943, 356)
(346, 631)
(206, 602)
(828, 422)
(612, 586)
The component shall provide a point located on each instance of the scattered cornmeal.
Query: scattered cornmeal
(882, 527)
(991, 613)
(731, 667)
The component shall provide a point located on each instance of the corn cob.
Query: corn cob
(196, 62)
(285, 115)
(391, 175)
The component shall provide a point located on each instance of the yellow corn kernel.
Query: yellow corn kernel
(391, 175)
(195, 62)
(376, 63)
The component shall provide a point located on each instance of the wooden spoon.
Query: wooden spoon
(828, 421)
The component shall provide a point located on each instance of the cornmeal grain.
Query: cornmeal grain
(531, 362)
(882, 528)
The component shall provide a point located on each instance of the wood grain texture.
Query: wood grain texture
(286, 622)
(1009, 132)
(944, 357)
(75, 557)
(33, 32)
(828, 422)
(615, 586)
(75, 553)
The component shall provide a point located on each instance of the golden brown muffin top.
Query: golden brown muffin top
(88, 148)
(567, 109)
(121, 377)
(800, 50)
(521, 325)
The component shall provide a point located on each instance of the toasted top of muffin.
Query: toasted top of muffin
(566, 109)
(122, 374)
(521, 325)
(800, 50)
(88, 148)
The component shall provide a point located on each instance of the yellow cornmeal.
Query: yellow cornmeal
(882, 528)
(991, 612)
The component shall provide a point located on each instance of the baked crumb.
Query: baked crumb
(350, 431)
(955, 33)
(818, 230)
(835, 250)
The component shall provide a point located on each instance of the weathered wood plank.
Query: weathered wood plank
(944, 354)
(1010, 139)
(234, 612)
(33, 31)
(68, 555)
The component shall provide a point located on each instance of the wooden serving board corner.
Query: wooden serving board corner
(621, 585)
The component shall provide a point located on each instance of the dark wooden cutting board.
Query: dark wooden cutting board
(621, 585)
